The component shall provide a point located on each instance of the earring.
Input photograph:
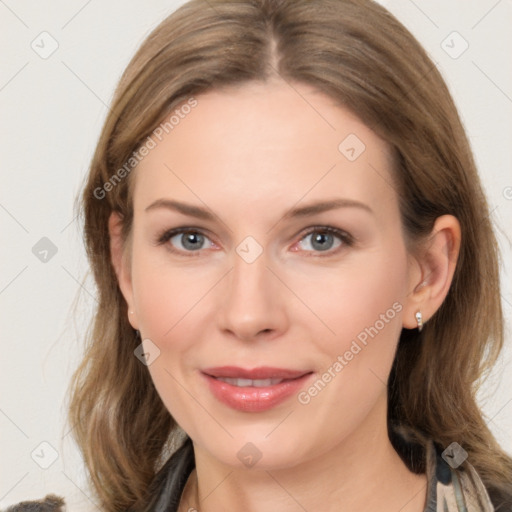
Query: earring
(419, 320)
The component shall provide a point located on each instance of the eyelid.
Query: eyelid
(166, 235)
(346, 238)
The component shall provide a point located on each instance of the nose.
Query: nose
(253, 301)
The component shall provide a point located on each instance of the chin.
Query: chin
(256, 449)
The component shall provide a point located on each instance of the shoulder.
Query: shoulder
(166, 489)
(163, 494)
(454, 485)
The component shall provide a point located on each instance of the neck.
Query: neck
(363, 472)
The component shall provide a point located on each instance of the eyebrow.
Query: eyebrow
(302, 211)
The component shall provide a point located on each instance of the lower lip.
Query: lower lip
(252, 399)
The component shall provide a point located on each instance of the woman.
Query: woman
(298, 279)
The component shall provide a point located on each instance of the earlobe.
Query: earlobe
(432, 278)
(121, 265)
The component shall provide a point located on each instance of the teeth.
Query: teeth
(257, 383)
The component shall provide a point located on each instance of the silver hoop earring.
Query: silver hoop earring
(419, 320)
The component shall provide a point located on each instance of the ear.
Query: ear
(121, 262)
(431, 270)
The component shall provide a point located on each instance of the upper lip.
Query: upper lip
(262, 372)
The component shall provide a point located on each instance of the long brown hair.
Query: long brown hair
(358, 54)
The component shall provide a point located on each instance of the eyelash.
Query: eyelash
(346, 239)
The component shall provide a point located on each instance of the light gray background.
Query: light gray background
(51, 113)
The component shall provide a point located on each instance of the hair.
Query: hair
(361, 56)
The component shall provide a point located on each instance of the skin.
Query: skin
(249, 154)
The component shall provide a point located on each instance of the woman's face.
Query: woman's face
(291, 262)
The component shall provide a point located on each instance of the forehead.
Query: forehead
(266, 145)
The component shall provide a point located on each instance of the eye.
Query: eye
(184, 240)
(319, 239)
(324, 238)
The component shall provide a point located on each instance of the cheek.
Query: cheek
(169, 301)
(165, 295)
(364, 313)
(362, 296)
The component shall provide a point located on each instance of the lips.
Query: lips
(254, 390)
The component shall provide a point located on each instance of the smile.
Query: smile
(255, 390)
